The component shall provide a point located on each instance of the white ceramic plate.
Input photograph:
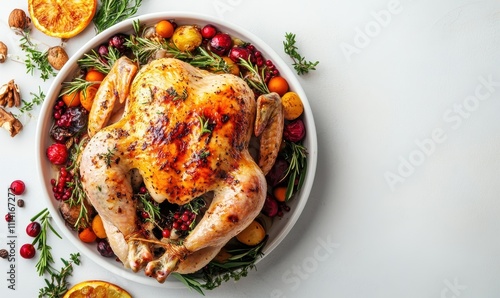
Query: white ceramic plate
(279, 229)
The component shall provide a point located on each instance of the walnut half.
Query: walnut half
(9, 95)
(10, 123)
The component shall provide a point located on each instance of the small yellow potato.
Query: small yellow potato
(292, 105)
(187, 38)
(252, 235)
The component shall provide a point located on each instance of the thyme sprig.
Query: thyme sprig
(37, 100)
(58, 286)
(46, 260)
(114, 11)
(35, 59)
(296, 155)
(301, 65)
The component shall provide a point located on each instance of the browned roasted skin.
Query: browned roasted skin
(187, 132)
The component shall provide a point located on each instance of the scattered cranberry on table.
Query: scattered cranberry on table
(8, 217)
(17, 187)
(33, 229)
(27, 251)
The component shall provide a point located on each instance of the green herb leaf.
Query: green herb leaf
(114, 11)
(301, 65)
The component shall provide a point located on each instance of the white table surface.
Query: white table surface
(395, 96)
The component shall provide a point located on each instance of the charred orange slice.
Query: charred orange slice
(96, 288)
(61, 18)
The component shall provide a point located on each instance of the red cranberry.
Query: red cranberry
(57, 154)
(118, 42)
(208, 31)
(165, 233)
(33, 229)
(239, 52)
(8, 217)
(220, 43)
(103, 50)
(17, 187)
(270, 207)
(27, 251)
(294, 131)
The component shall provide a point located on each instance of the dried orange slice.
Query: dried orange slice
(61, 18)
(96, 288)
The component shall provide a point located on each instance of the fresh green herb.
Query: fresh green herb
(102, 64)
(77, 197)
(204, 125)
(189, 282)
(44, 262)
(301, 65)
(255, 77)
(58, 285)
(114, 11)
(176, 96)
(215, 273)
(204, 154)
(36, 59)
(108, 156)
(76, 85)
(212, 61)
(36, 100)
(150, 207)
(296, 155)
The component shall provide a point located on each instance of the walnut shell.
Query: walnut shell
(57, 57)
(3, 52)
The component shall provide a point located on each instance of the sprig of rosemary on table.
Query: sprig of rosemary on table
(58, 286)
(114, 11)
(44, 262)
(296, 155)
(36, 59)
(301, 65)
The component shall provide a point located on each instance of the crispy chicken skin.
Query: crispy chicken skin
(186, 131)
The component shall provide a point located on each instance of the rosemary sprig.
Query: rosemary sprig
(76, 85)
(44, 262)
(102, 64)
(150, 207)
(204, 125)
(58, 286)
(77, 197)
(296, 155)
(114, 11)
(301, 65)
(35, 101)
(212, 61)
(256, 76)
(36, 59)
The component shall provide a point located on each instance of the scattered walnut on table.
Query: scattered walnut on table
(10, 123)
(3, 52)
(10, 95)
(57, 57)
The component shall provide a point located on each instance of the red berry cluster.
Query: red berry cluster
(60, 188)
(181, 220)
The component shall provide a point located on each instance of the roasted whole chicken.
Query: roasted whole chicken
(186, 132)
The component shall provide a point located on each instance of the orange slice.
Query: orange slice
(61, 18)
(96, 288)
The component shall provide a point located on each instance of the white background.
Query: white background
(392, 74)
